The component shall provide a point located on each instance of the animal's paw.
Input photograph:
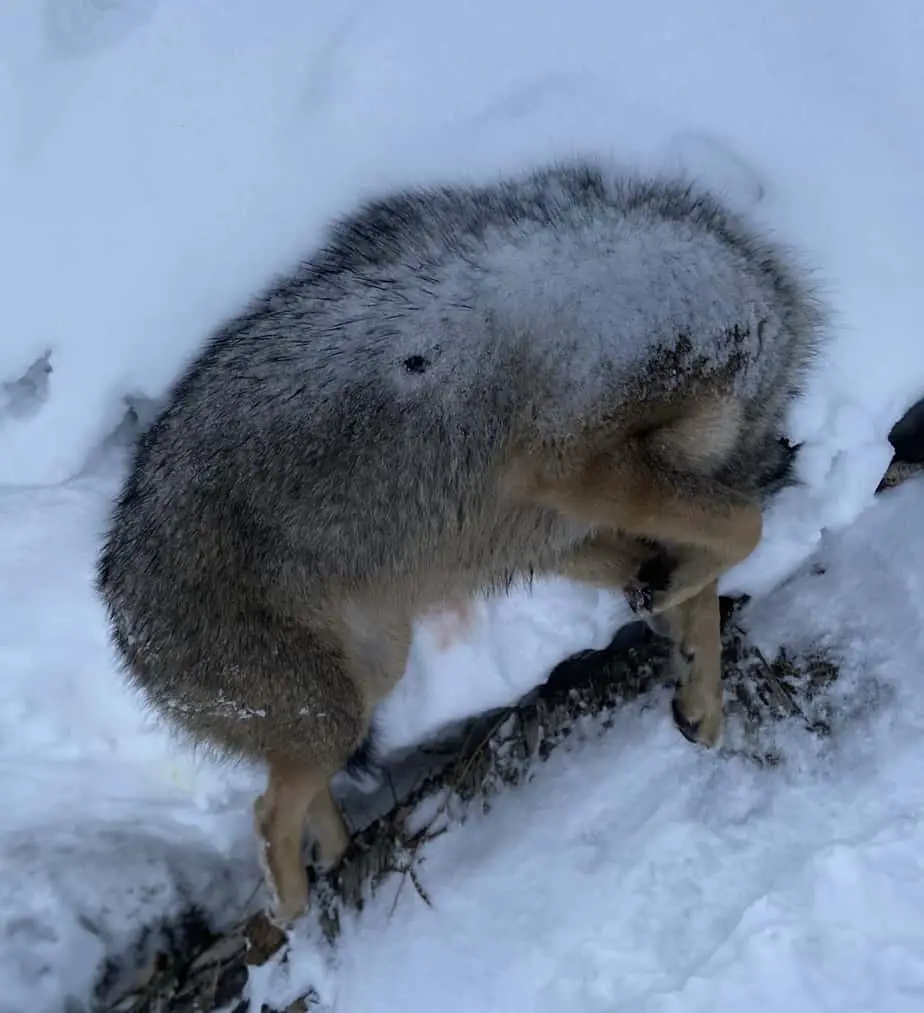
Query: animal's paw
(639, 597)
(659, 589)
(699, 717)
(646, 592)
(648, 601)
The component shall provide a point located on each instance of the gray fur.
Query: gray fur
(345, 434)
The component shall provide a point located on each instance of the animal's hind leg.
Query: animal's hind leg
(293, 791)
(707, 526)
(302, 713)
(613, 561)
(620, 562)
(609, 559)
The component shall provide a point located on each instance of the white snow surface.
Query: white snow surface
(161, 160)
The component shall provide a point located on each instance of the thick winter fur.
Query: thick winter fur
(575, 371)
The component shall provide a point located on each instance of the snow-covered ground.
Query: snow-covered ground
(160, 159)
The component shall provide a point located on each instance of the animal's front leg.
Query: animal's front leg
(695, 629)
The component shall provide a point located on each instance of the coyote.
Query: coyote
(573, 371)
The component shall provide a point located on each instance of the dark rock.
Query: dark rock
(907, 435)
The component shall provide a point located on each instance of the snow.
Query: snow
(104, 826)
(161, 161)
(492, 651)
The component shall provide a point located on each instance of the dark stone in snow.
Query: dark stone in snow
(907, 436)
